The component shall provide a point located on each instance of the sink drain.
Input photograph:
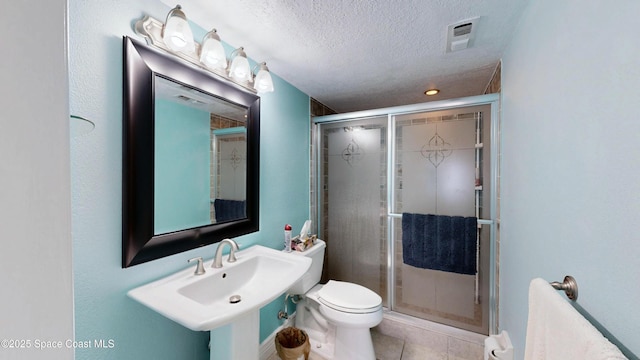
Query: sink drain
(234, 299)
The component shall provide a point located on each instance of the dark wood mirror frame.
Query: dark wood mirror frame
(139, 243)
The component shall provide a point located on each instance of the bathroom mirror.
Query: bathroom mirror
(190, 156)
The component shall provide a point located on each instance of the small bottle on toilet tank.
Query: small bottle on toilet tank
(287, 238)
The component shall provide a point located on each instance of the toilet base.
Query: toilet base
(330, 341)
(345, 340)
(324, 349)
(339, 344)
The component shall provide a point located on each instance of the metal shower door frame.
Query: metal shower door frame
(391, 112)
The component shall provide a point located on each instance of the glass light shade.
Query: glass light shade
(212, 53)
(176, 33)
(263, 81)
(240, 69)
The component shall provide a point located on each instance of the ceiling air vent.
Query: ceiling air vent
(463, 29)
(461, 34)
(190, 100)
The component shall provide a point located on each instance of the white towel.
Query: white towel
(557, 331)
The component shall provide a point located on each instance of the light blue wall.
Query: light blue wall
(182, 190)
(102, 309)
(571, 162)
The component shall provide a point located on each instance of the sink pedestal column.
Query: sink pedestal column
(238, 340)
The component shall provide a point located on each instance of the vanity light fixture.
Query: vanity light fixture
(212, 53)
(431, 92)
(263, 81)
(240, 69)
(175, 36)
(176, 32)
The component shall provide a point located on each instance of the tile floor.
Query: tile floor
(391, 348)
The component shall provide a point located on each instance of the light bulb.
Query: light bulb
(177, 33)
(212, 53)
(240, 69)
(263, 81)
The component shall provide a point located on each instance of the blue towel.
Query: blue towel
(438, 242)
(227, 210)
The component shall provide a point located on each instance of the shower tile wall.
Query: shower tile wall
(316, 108)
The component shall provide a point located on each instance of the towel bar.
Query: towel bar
(569, 285)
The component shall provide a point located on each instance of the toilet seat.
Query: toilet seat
(349, 298)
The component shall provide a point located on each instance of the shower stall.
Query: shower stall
(435, 162)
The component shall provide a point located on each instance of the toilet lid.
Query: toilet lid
(349, 297)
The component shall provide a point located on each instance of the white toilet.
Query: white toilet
(337, 315)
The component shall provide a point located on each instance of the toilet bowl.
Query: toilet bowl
(337, 315)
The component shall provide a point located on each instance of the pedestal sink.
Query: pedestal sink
(231, 295)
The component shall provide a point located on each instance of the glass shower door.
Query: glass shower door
(353, 201)
(439, 173)
(434, 163)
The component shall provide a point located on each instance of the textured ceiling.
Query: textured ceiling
(356, 55)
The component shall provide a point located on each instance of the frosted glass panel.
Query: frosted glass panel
(436, 161)
(439, 170)
(355, 202)
(232, 171)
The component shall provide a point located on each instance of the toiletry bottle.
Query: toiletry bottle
(287, 238)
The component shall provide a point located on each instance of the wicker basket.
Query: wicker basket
(291, 343)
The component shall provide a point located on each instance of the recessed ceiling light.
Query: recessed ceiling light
(431, 92)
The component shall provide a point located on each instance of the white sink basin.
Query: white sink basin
(202, 302)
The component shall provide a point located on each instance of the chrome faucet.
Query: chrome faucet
(217, 262)
(199, 267)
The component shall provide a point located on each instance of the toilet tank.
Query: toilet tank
(312, 276)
